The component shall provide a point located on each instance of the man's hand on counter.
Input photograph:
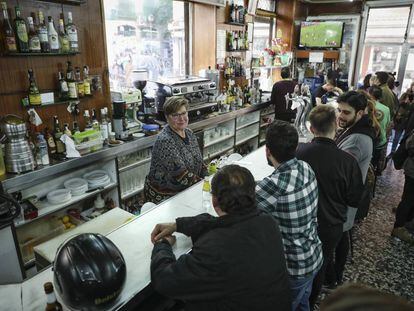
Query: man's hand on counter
(164, 230)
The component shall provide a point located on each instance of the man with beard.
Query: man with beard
(290, 194)
(357, 138)
(339, 183)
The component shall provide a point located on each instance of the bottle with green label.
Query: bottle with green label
(22, 37)
(42, 33)
(34, 94)
(63, 38)
(8, 31)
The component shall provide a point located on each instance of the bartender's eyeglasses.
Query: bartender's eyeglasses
(175, 116)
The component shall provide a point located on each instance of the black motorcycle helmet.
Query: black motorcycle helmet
(89, 272)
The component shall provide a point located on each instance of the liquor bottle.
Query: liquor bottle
(52, 36)
(70, 79)
(34, 41)
(206, 195)
(104, 126)
(43, 35)
(75, 128)
(42, 150)
(52, 303)
(63, 38)
(50, 142)
(8, 32)
(230, 40)
(235, 41)
(87, 118)
(66, 130)
(72, 32)
(79, 83)
(95, 123)
(34, 94)
(232, 12)
(57, 134)
(63, 87)
(21, 32)
(86, 81)
(108, 119)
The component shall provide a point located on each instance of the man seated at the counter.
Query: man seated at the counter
(176, 162)
(237, 261)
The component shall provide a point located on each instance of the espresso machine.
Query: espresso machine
(200, 93)
(18, 154)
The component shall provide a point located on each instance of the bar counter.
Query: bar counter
(133, 240)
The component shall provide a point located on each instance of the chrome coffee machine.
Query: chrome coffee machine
(200, 93)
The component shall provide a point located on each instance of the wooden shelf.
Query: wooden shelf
(39, 54)
(235, 24)
(69, 2)
(326, 54)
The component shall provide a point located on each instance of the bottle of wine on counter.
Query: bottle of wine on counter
(86, 81)
(8, 32)
(57, 133)
(34, 41)
(72, 32)
(53, 37)
(70, 79)
(34, 94)
(63, 38)
(79, 83)
(52, 303)
(21, 32)
(43, 35)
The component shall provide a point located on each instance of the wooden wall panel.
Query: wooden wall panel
(203, 37)
(13, 70)
(315, 9)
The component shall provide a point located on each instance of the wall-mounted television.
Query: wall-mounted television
(326, 34)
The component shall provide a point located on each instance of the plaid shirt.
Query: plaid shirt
(290, 194)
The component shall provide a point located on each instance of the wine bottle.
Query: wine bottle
(63, 38)
(86, 81)
(22, 37)
(72, 32)
(8, 32)
(79, 83)
(43, 35)
(70, 79)
(34, 41)
(63, 87)
(34, 94)
(53, 36)
(57, 133)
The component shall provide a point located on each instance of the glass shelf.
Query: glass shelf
(16, 54)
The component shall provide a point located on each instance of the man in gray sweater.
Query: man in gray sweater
(357, 138)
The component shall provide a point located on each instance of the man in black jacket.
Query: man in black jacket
(237, 261)
(279, 90)
(339, 184)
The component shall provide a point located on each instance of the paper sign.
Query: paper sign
(316, 57)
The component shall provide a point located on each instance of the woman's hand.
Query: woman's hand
(164, 230)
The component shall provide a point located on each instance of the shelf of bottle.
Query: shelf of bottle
(60, 102)
(235, 24)
(236, 51)
(14, 54)
(69, 2)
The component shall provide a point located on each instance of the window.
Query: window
(144, 35)
(385, 34)
(262, 32)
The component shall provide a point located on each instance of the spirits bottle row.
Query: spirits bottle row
(237, 40)
(234, 67)
(72, 85)
(237, 13)
(37, 36)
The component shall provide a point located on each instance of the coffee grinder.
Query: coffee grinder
(120, 122)
(148, 109)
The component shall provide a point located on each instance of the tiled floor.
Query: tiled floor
(379, 260)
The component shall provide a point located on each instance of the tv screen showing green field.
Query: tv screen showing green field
(321, 34)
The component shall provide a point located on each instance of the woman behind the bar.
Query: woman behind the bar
(176, 162)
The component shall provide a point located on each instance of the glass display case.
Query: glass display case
(247, 119)
(215, 150)
(247, 133)
(219, 133)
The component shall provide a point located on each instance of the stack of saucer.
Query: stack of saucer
(59, 196)
(97, 178)
(77, 186)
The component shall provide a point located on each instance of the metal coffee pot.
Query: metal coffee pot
(18, 154)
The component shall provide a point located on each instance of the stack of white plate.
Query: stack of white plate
(77, 186)
(59, 196)
(97, 178)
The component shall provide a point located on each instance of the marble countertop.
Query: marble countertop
(133, 240)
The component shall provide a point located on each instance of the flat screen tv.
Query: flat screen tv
(321, 34)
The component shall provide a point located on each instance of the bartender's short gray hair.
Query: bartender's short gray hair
(173, 104)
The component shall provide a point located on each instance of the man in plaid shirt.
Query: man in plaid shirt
(290, 194)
